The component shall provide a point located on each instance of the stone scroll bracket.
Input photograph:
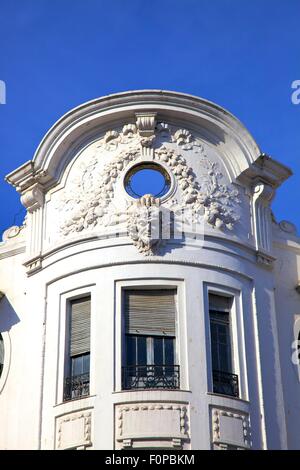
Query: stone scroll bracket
(263, 194)
(33, 200)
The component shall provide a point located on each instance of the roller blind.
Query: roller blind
(220, 303)
(80, 326)
(150, 312)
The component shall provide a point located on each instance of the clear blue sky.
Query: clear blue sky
(241, 54)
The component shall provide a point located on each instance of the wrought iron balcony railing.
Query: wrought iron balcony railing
(150, 376)
(225, 383)
(76, 387)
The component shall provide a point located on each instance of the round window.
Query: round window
(1, 354)
(147, 178)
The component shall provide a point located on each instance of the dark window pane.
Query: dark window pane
(169, 351)
(76, 365)
(224, 359)
(142, 355)
(158, 351)
(80, 364)
(142, 350)
(131, 358)
(220, 341)
(86, 364)
(214, 331)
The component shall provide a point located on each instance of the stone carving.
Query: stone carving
(210, 198)
(146, 123)
(11, 232)
(173, 419)
(144, 224)
(33, 198)
(288, 227)
(230, 428)
(90, 199)
(155, 407)
(15, 230)
(74, 430)
(87, 205)
(183, 138)
(265, 259)
(147, 133)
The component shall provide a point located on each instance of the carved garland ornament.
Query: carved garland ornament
(87, 205)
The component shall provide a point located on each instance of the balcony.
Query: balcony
(150, 377)
(77, 386)
(225, 383)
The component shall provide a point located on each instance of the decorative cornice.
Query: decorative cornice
(266, 169)
(157, 260)
(11, 251)
(33, 265)
(265, 259)
(60, 143)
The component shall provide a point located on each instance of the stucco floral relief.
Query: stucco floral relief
(88, 201)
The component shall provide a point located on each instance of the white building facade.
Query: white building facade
(138, 317)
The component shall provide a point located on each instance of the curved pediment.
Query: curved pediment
(86, 122)
(79, 172)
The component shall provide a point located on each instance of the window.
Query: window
(77, 379)
(224, 380)
(149, 354)
(147, 178)
(1, 354)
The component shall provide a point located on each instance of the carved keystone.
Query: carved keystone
(145, 123)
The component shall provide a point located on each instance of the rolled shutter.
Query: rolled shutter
(150, 312)
(220, 303)
(80, 330)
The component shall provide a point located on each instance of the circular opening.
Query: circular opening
(147, 178)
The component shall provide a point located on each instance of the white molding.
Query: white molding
(159, 283)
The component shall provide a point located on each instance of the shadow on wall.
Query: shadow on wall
(8, 316)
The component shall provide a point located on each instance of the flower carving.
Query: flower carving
(183, 138)
(87, 204)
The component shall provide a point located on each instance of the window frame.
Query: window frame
(180, 325)
(228, 324)
(64, 339)
(236, 337)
